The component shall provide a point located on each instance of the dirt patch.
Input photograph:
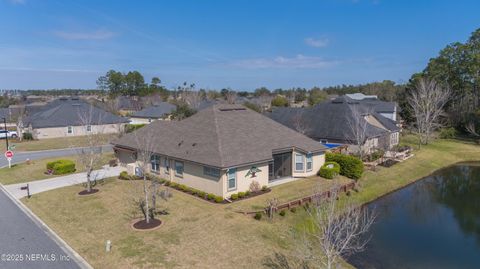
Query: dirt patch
(142, 225)
(85, 192)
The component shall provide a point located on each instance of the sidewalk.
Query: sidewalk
(62, 181)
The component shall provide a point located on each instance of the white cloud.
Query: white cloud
(317, 43)
(299, 61)
(95, 35)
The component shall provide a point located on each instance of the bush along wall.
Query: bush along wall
(329, 170)
(61, 167)
(350, 166)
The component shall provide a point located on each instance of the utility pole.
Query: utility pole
(6, 134)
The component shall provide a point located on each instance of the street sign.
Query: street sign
(8, 154)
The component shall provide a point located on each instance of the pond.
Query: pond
(433, 223)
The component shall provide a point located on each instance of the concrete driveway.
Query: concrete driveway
(26, 242)
(20, 157)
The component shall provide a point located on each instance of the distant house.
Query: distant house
(222, 149)
(128, 104)
(340, 121)
(360, 96)
(160, 111)
(63, 117)
(387, 109)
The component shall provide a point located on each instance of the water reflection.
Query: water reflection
(434, 223)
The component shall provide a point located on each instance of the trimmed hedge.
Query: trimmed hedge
(61, 167)
(327, 172)
(27, 136)
(350, 166)
(132, 127)
(124, 175)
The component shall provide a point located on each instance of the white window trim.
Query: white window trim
(158, 164)
(89, 130)
(166, 164)
(228, 180)
(69, 128)
(311, 162)
(295, 162)
(175, 167)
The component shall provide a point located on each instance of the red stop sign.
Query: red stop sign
(8, 154)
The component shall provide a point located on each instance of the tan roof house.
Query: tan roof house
(223, 149)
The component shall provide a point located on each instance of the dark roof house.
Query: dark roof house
(333, 120)
(156, 111)
(67, 112)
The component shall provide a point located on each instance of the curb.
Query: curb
(79, 260)
(106, 146)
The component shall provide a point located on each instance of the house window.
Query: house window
(178, 169)
(270, 170)
(69, 130)
(212, 172)
(155, 163)
(299, 162)
(89, 128)
(309, 162)
(166, 164)
(232, 179)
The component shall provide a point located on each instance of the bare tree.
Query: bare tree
(231, 97)
(471, 129)
(337, 230)
(20, 117)
(90, 155)
(358, 124)
(192, 98)
(427, 101)
(299, 122)
(113, 104)
(146, 146)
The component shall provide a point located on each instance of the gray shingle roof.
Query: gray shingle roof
(222, 136)
(329, 120)
(66, 112)
(156, 111)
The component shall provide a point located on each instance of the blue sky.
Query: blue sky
(216, 44)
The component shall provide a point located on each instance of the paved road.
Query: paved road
(20, 157)
(23, 238)
(63, 181)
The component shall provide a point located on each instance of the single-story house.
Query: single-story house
(222, 149)
(387, 109)
(160, 111)
(342, 121)
(68, 116)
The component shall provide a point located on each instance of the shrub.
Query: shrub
(167, 183)
(241, 194)
(201, 194)
(210, 196)
(218, 199)
(192, 191)
(258, 216)
(264, 188)
(282, 213)
(132, 127)
(234, 197)
(182, 187)
(279, 101)
(124, 175)
(329, 170)
(174, 185)
(61, 167)
(254, 186)
(374, 156)
(27, 136)
(293, 209)
(247, 193)
(350, 166)
(448, 133)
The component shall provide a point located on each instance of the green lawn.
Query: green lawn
(198, 234)
(24, 172)
(53, 143)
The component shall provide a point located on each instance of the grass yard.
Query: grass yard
(53, 143)
(198, 234)
(24, 172)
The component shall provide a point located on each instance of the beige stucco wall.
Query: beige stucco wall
(140, 120)
(244, 181)
(318, 160)
(42, 133)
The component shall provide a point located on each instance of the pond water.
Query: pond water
(433, 223)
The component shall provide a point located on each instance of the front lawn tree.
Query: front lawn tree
(91, 154)
(427, 101)
(335, 230)
(357, 124)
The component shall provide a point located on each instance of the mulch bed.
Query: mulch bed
(85, 192)
(142, 225)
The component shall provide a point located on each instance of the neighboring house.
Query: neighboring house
(341, 121)
(6, 113)
(63, 117)
(128, 104)
(160, 111)
(387, 109)
(222, 149)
